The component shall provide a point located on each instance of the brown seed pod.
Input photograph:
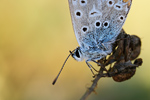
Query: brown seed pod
(135, 46)
(125, 70)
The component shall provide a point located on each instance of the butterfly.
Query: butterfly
(96, 24)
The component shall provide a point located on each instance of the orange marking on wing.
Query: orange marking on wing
(129, 3)
(125, 0)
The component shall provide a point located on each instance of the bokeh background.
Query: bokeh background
(35, 37)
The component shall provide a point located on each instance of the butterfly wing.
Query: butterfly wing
(98, 21)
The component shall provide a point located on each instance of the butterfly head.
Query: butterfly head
(77, 54)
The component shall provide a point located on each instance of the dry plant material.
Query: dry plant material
(123, 60)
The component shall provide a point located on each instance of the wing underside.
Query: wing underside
(98, 21)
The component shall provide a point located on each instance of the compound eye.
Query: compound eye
(77, 53)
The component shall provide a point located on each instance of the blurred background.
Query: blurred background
(35, 37)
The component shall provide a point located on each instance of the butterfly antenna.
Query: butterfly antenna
(61, 69)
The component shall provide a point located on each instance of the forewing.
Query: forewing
(97, 21)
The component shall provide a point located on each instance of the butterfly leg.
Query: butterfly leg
(91, 67)
(102, 66)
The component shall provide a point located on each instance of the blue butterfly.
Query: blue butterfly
(96, 23)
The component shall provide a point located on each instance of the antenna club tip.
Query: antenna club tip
(54, 82)
(61, 70)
